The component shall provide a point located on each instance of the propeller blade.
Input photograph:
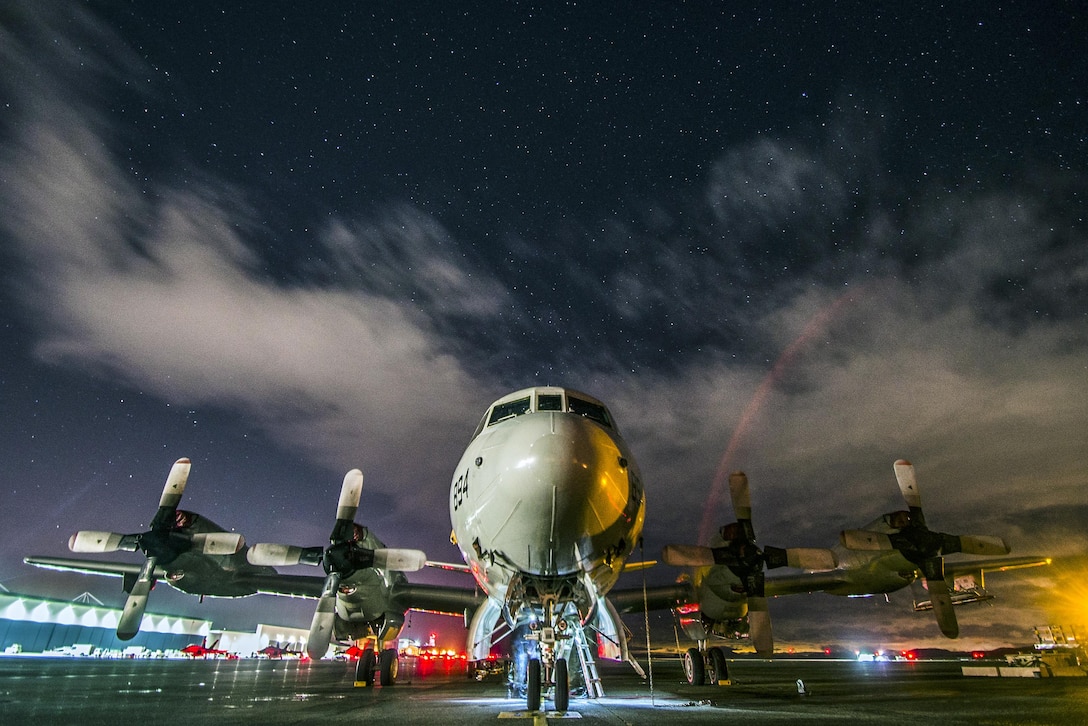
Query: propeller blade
(759, 626)
(908, 485)
(400, 560)
(133, 614)
(175, 484)
(218, 543)
(347, 505)
(863, 539)
(941, 598)
(741, 496)
(266, 554)
(273, 555)
(687, 555)
(321, 626)
(980, 544)
(90, 541)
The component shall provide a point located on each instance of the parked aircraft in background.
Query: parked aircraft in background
(275, 651)
(888, 554)
(203, 651)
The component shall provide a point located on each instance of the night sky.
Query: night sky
(802, 239)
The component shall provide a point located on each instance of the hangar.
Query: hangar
(31, 624)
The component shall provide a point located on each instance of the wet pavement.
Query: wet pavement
(91, 691)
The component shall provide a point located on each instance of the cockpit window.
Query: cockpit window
(510, 409)
(549, 402)
(592, 411)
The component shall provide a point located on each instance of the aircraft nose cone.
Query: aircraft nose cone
(569, 485)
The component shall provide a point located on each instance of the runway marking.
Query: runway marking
(540, 718)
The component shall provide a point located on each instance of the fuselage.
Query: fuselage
(546, 502)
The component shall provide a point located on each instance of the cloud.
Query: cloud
(165, 291)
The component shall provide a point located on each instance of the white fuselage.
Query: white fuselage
(547, 502)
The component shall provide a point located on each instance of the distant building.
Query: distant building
(37, 625)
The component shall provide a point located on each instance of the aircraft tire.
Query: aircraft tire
(694, 667)
(388, 666)
(364, 670)
(562, 685)
(532, 682)
(719, 670)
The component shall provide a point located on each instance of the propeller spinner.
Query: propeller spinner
(343, 556)
(163, 543)
(923, 547)
(748, 562)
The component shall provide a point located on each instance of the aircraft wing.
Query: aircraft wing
(437, 598)
(403, 595)
(657, 597)
(955, 568)
(91, 567)
(806, 582)
(286, 585)
(803, 582)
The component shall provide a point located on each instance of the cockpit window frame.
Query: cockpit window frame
(554, 402)
(510, 409)
(589, 409)
(549, 400)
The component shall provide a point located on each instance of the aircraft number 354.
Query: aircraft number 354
(460, 491)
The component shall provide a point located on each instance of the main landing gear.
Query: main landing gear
(705, 667)
(383, 665)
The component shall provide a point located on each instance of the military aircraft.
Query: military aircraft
(547, 506)
(275, 651)
(886, 555)
(203, 651)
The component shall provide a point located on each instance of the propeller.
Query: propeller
(748, 562)
(343, 556)
(161, 545)
(923, 547)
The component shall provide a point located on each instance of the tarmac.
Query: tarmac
(92, 691)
